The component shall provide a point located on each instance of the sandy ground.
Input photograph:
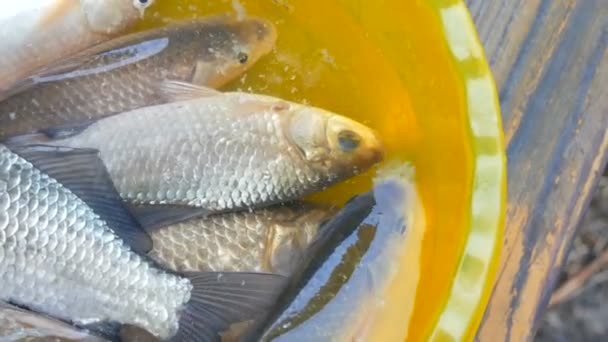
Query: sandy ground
(583, 315)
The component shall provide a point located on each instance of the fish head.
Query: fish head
(228, 49)
(109, 17)
(293, 233)
(338, 146)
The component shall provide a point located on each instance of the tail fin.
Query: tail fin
(26, 139)
(221, 299)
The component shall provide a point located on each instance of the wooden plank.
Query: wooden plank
(550, 59)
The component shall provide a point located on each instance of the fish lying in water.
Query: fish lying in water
(125, 73)
(267, 240)
(36, 33)
(21, 325)
(333, 293)
(60, 255)
(224, 151)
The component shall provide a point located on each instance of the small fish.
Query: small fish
(17, 324)
(125, 73)
(333, 292)
(267, 240)
(37, 33)
(61, 254)
(224, 151)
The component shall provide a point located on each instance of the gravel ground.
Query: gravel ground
(583, 315)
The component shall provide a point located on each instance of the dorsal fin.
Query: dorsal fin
(183, 91)
(82, 172)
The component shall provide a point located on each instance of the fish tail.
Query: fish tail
(220, 301)
(26, 139)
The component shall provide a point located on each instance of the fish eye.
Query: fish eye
(349, 141)
(242, 57)
(142, 3)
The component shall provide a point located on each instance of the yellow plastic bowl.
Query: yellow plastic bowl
(414, 71)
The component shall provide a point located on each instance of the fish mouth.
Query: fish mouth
(371, 149)
(376, 150)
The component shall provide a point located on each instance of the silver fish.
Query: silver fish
(125, 73)
(60, 256)
(333, 294)
(226, 151)
(266, 240)
(36, 33)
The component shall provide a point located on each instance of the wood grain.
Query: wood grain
(550, 60)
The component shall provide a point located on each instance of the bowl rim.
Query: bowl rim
(478, 265)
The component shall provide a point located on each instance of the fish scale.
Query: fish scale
(228, 157)
(125, 73)
(269, 240)
(57, 256)
(225, 151)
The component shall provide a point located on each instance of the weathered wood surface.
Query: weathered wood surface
(550, 61)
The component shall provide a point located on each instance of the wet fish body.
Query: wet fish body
(17, 324)
(228, 151)
(36, 33)
(125, 73)
(332, 294)
(58, 257)
(267, 240)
